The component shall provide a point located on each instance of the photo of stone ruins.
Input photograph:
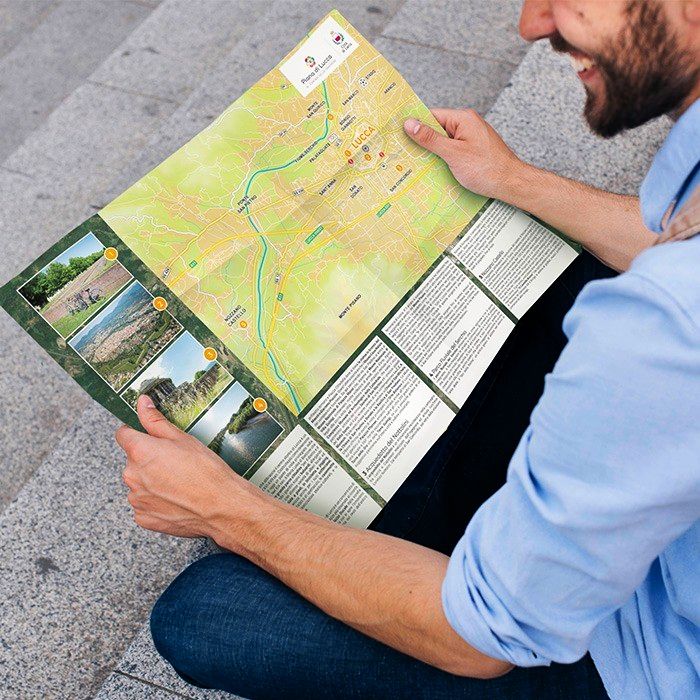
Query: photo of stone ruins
(181, 382)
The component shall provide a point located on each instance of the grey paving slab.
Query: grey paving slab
(120, 687)
(51, 61)
(33, 414)
(539, 115)
(77, 577)
(17, 18)
(180, 40)
(484, 28)
(447, 79)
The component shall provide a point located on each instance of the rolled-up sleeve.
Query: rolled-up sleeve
(602, 481)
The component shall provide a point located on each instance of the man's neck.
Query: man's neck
(689, 101)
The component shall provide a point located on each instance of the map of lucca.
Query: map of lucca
(295, 222)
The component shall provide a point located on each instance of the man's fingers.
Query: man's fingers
(147, 522)
(429, 138)
(138, 446)
(446, 116)
(153, 420)
(125, 436)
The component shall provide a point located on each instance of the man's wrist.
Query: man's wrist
(237, 515)
(522, 185)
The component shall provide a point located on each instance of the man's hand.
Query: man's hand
(609, 225)
(176, 484)
(384, 587)
(477, 156)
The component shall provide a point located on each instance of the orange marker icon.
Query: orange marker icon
(260, 405)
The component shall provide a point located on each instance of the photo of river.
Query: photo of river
(235, 430)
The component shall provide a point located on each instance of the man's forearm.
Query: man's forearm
(608, 225)
(385, 587)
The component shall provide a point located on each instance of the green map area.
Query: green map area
(295, 223)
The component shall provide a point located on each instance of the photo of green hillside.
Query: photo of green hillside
(125, 336)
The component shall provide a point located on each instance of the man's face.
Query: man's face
(626, 53)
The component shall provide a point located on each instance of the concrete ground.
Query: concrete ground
(92, 95)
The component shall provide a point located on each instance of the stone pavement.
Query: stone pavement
(47, 63)
(76, 577)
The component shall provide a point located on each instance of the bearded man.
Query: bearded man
(584, 564)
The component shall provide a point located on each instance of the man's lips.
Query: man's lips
(584, 66)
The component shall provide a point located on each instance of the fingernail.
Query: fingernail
(412, 126)
(147, 401)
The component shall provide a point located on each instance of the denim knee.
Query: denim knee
(179, 617)
(162, 622)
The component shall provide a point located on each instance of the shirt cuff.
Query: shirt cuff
(468, 612)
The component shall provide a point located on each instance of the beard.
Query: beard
(644, 71)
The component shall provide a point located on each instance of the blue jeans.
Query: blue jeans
(226, 624)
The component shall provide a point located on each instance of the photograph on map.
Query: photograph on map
(181, 382)
(75, 285)
(235, 430)
(125, 336)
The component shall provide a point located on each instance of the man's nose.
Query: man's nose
(536, 20)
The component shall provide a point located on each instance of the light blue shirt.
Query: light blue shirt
(593, 543)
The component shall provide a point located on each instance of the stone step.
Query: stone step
(60, 174)
(456, 53)
(20, 19)
(77, 576)
(120, 686)
(81, 33)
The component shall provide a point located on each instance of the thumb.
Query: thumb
(155, 423)
(430, 139)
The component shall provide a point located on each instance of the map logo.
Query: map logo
(322, 53)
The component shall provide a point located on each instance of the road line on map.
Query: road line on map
(332, 235)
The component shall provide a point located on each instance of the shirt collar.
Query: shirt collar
(672, 166)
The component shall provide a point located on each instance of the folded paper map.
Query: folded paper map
(301, 287)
